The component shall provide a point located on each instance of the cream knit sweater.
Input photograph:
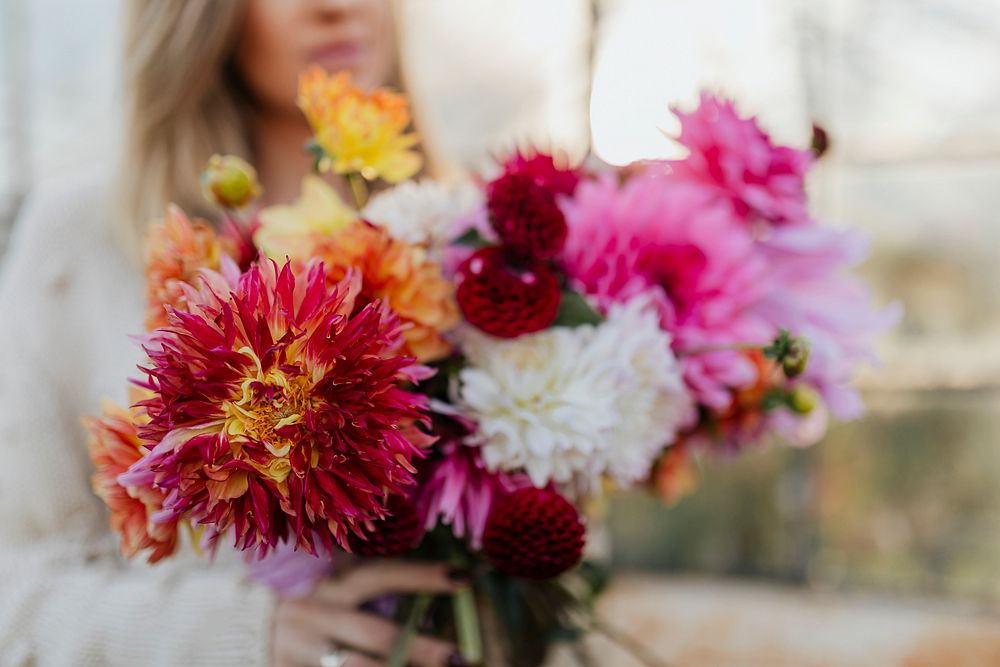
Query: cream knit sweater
(68, 298)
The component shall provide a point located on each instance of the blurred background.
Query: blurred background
(903, 505)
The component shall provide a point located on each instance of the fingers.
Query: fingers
(373, 580)
(373, 635)
(358, 660)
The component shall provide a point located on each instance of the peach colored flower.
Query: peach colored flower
(359, 132)
(114, 445)
(321, 226)
(176, 249)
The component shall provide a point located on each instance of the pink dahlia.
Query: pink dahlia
(815, 297)
(457, 490)
(691, 254)
(277, 411)
(737, 161)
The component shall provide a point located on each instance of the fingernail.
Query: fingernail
(459, 575)
(455, 660)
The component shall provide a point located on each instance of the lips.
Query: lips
(337, 55)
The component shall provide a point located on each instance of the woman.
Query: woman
(202, 76)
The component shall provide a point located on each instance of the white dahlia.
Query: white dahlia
(423, 212)
(569, 405)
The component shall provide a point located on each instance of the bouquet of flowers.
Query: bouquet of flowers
(456, 372)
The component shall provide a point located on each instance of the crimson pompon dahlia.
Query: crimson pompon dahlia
(522, 205)
(395, 535)
(277, 411)
(534, 533)
(507, 300)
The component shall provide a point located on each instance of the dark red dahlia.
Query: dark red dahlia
(534, 534)
(395, 535)
(525, 216)
(544, 172)
(505, 300)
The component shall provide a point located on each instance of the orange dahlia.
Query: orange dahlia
(176, 249)
(359, 132)
(277, 410)
(114, 446)
(401, 274)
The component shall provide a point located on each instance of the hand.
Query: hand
(308, 628)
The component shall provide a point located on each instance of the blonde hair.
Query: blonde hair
(183, 102)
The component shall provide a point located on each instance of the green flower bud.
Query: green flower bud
(229, 181)
(796, 357)
(803, 400)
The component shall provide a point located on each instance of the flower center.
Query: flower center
(267, 405)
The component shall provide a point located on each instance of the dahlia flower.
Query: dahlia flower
(569, 405)
(523, 209)
(114, 445)
(736, 160)
(534, 534)
(458, 491)
(276, 409)
(424, 213)
(359, 132)
(296, 230)
(690, 255)
(176, 249)
(397, 272)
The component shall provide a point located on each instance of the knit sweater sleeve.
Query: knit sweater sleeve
(66, 597)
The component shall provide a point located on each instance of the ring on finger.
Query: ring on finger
(337, 657)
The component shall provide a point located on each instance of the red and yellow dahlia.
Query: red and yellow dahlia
(176, 249)
(277, 408)
(114, 446)
(359, 132)
(400, 273)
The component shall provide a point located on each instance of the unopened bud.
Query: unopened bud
(820, 142)
(796, 358)
(229, 181)
(803, 400)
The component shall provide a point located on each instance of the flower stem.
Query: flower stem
(400, 655)
(468, 634)
(358, 189)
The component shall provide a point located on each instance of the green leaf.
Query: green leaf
(575, 310)
(314, 149)
(779, 346)
(472, 239)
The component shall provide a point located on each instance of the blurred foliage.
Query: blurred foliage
(906, 500)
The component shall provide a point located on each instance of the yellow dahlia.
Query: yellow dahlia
(296, 230)
(114, 446)
(359, 132)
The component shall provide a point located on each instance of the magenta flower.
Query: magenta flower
(276, 411)
(734, 158)
(698, 261)
(457, 490)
